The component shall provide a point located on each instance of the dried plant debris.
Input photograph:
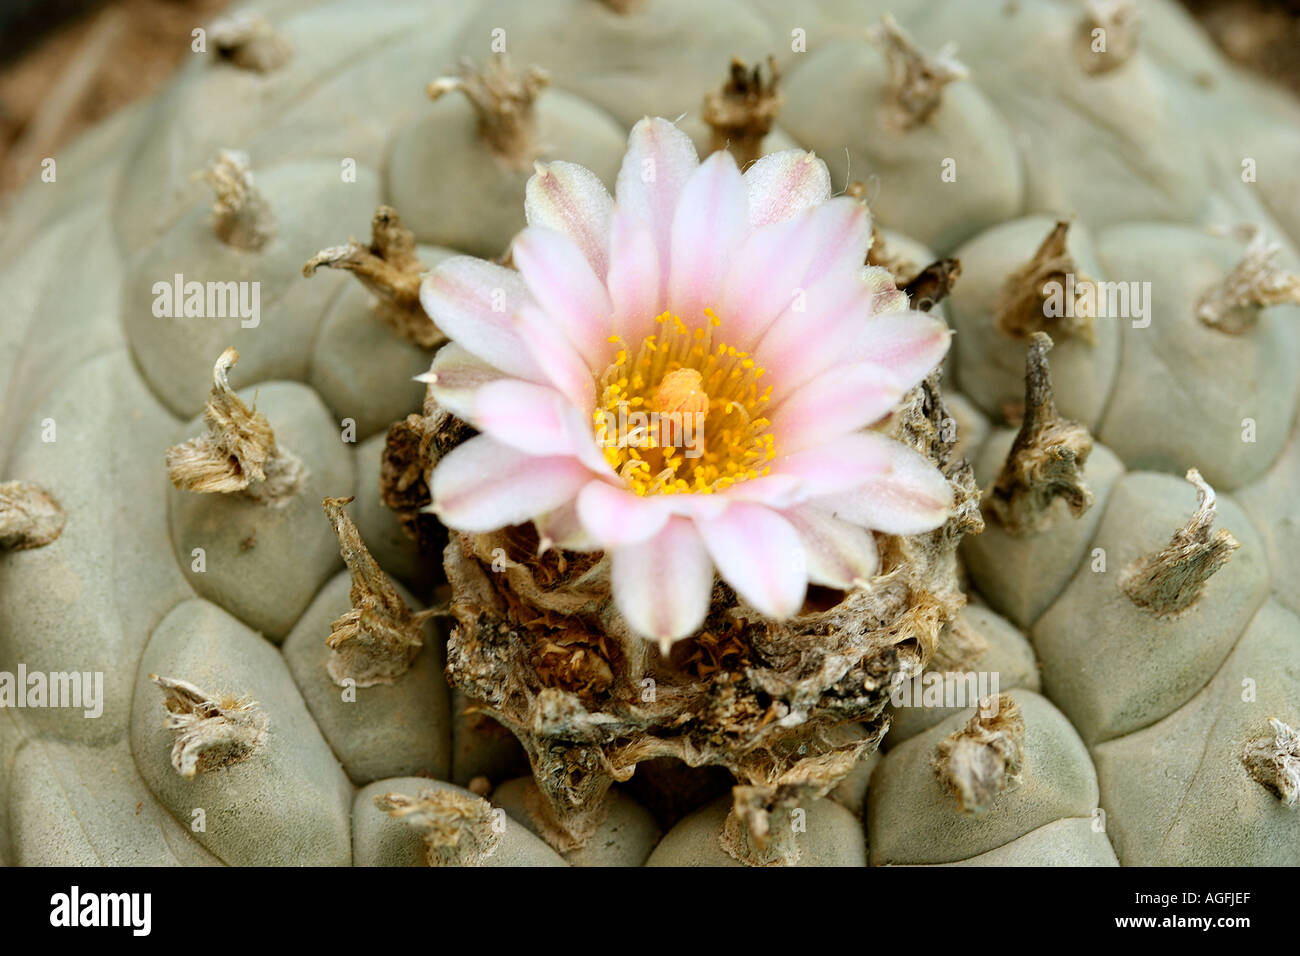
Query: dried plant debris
(1273, 760)
(377, 640)
(985, 758)
(249, 41)
(756, 831)
(540, 647)
(212, 731)
(239, 452)
(458, 829)
(917, 80)
(743, 111)
(413, 447)
(29, 516)
(1025, 306)
(505, 103)
(1046, 460)
(241, 217)
(1170, 581)
(1108, 35)
(1256, 282)
(389, 268)
(879, 253)
(932, 284)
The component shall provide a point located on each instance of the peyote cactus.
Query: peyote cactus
(656, 491)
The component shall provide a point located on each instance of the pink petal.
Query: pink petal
(695, 506)
(840, 555)
(472, 302)
(778, 263)
(843, 237)
(815, 332)
(617, 517)
(775, 491)
(659, 160)
(709, 225)
(848, 462)
(910, 344)
(562, 282)
(535, 419)
(764, 278)
(455, 375)
(563, 529)
(484, 485)
(912, 498)
(758, 553)
(636, 283)
(841, 400)
(781, 185)
(662, 586)
(558, 360)
(571, 200)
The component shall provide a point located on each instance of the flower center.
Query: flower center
(683, 413)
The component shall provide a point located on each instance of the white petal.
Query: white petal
(782, 185)
(472, 301)
(708, 228)
(484, 485)
(662, 586)
(840, 555)
(912, 498)
(910, 344)
(562, 282)
(848, 462)
(616, 516)
(558, 360)
(455, 375)
(759, 554)
(659, 160)
(534, 419)
(571, 200)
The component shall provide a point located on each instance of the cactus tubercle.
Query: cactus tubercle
(1047, 458)
(1169, 582)
(241, 216)
(30, 517)
(742, 112)
(1024, 305)
(985, 758)
(238, 453)
(375, 641)
(389, 268)
(505, 103)
(211, 731)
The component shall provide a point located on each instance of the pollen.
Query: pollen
(682, 412)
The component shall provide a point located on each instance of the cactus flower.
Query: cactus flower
(684, 376)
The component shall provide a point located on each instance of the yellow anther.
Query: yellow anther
(696, 427)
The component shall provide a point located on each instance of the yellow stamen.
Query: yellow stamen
(681, 412)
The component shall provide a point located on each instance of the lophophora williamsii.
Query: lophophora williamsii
(711, 508)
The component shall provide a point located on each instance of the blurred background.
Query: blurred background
(66, 64)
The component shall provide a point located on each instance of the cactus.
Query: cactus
(1028, 600)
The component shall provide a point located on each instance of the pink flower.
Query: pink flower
(684, 378)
